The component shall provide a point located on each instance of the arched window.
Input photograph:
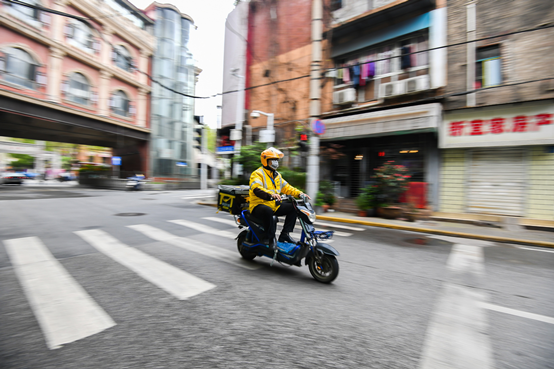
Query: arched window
(30, 15)
(21, 68)
(79, 89)
(80, 35)
(120, 104)
(122, 58)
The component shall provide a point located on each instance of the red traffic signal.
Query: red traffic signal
(303, 137)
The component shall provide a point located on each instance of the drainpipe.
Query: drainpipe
(471, 35)
(315, 97)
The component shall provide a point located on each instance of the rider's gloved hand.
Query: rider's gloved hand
(302, 195)
(276, 197)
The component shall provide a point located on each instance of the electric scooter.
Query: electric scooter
(320, 257)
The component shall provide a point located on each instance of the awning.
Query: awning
(406, 120)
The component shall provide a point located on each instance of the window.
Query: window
(25, 13)
(80, 35)
(336, 4)
(122, 58)
(120, 104)
(20, 67)
(79, 89)
(488, 70)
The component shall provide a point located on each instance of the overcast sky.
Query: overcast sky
(207, 47)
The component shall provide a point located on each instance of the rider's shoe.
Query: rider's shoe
(285, 237)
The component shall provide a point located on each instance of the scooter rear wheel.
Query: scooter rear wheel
(243, 250)
(326, 271)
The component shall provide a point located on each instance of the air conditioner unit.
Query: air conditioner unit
(416, 84)
(392, 89)
(346, 96)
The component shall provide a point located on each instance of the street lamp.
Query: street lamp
(266, 135)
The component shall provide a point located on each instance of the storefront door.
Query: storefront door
(497, 181)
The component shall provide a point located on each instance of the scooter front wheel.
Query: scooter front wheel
(325, 271)
(243, 250)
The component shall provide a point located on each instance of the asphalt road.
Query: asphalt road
(104, 279)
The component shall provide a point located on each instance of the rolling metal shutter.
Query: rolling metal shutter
(497, 181)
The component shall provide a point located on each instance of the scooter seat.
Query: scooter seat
(252, 219)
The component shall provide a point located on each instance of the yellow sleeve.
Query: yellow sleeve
(289, 190)
(256, 182)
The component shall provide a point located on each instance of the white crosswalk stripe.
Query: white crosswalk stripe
(194, 246)
(279, 226)
(64, 310)
(173, 280)
(204, 228)
(335, 225)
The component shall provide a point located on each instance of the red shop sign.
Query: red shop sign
(500, 125)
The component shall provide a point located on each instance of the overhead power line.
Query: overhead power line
(85, 20)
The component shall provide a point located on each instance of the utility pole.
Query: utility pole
(239, 116)
(203, 166)
(315, 97)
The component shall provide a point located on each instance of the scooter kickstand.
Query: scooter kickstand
(274, 257)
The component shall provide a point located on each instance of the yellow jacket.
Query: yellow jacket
(262, 178)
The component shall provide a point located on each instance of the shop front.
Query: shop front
(407, 136)
(498, 160)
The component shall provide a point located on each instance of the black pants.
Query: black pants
(265, 214)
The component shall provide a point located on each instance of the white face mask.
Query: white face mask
(273, 164)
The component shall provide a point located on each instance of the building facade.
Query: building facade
(386, 90)
(172, 116)
(65, 80)
(497, 144)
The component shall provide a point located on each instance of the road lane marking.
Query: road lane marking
(204, 228)
(233, 223)
(465, 258)
(194, 246)
(522, 314)
(457, 337)
(325, 224)
(222, 220)
(534, 249)
(64, 310)
(173, 280)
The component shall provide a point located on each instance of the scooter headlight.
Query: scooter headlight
(311, 216)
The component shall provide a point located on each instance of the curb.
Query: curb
(427, 230)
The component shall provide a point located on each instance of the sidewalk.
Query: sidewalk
(521, 236)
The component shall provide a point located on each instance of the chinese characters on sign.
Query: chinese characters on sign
(530, 123)
(495, 126)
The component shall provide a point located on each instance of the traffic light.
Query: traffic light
(303, 141)
(198, 131)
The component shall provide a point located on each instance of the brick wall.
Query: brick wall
(526, 56)
(281, 49)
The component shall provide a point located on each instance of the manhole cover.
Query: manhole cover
(129, 214)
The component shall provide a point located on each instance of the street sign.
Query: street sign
(181, 164)
(267, 135)
(318, 127)
(116, 160)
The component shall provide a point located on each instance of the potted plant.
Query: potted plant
(366, 200)
(391, 181)
(319, 202)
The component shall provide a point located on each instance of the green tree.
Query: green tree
(211, 135)
(249, 157)
(23, 161)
